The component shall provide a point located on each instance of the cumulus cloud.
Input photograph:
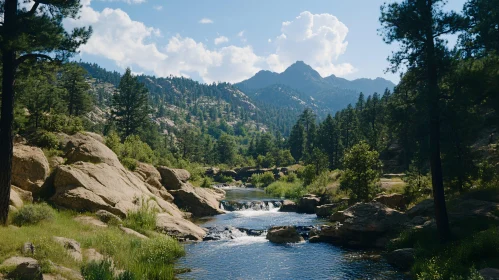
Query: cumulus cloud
(205, 21)
(221, 40)
(158, 8)
(127, 1)
(319, 40)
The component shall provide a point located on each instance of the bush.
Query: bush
(63, 123)
(262, 180)
(207, 182)
(362, 171)
(45, 139)
(418, 186)
(318, 186)
(113, 141)
(224, 179)
(143, 219)
(129, 163)
(133, 147)
(32, 214)
(307, 174)
(103, 271)
(290, 178)
(287, 190)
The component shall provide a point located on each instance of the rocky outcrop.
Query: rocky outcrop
(180, 228)
(402, 259)
(150, 175)
(326, 210)
(91, 221)
(363, 225)
(91, 187)
(30, 168)
(22, 268)
(172, 179)
(18, 197)
(422, 209)
(288, 206)
(307, 204)
(394, 200)
(81, 147)
(72, 247)
(198, 201)
(284, 234)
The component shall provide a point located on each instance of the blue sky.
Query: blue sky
(230, 40)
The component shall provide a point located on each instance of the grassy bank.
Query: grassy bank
(141, 259)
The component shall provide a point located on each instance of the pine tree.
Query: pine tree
(296, 141)
(28, 35)
(130, 108)
(77, 95)
(418, 26)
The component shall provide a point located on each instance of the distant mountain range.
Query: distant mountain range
(300, 86)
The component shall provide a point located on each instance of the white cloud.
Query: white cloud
(241, 33)
(221, 40)
(205, 21)
(158, 8)
(316, 39)
(269, 40)
(126, 1)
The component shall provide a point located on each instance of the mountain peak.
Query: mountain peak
(301, 68)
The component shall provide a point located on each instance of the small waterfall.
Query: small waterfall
(268, 205)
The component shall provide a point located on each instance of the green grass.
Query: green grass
(32, 214)
(145, 259)
(142, 220)
(283, 189)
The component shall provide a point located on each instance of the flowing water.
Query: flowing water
(239, 249)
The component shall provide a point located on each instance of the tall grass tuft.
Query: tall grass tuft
(32, 214)
(143, 219)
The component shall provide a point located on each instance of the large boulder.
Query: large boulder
(284, 234)
(172, 179)
(326, 210)
(150, 175)
(394, 200)
(180, 228)
(199, 201)
(72, 247)
(91, 187)
(402, 259)
(30, 168)
(82, 147)
(307, 204)
(364, 225)
(288, 206)
(22, 268)
(423, 209)
(19, 196)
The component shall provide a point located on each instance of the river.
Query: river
(240, 253)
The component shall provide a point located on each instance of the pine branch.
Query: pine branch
(25, 57)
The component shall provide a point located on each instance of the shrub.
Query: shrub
(129, 163)
(143, 219)
(103, 271)
(113, 141)
(308, 174)
(418, 186)
(63, 123)
(361, 175)
(487, 175)
(32, 214)
(133, 147)
(262, 180)
(224, 179)
(291, 177)
(45, 139)
(207, 182)
(287, 190)
(318, 186)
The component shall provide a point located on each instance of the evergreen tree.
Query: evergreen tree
(130, 108)
(296, 141)
(77, 95)
(418, 26)
(28, 35)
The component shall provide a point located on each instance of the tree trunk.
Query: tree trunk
(435, 160)
(7, 110)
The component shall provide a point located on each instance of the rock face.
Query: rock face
(178, 227)
(288, 206)
(81, 147)
(284, 234)
(402, 259)
(150, 175)
(489, 273)
(18, 197)
(363, 225)
(308, 203)
(326, 210)
(132, 232)
(30, 168)
(172, 179)
(394, 200)
(199, 201)
(24, 268)
(107, 217)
